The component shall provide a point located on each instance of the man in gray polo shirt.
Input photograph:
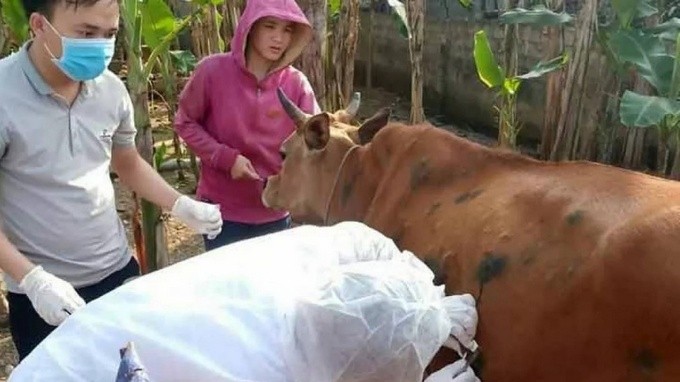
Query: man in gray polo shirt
(64, 121)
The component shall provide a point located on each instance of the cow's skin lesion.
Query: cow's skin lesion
(420, 172)
(467, 196)
(346, 191)
(433, 208)
(491, 266)
(646, 361)
(575, 217)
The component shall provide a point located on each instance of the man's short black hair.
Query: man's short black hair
(46, 7)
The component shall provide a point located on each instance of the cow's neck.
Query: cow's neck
(353, 187)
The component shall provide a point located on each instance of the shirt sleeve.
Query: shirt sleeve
(126, 132)
(193, 107)
(4, 133)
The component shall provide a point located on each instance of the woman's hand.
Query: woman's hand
(242, 168)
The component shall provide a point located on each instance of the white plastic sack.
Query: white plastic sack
(320, 304)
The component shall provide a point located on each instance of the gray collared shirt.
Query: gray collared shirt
(56, 197)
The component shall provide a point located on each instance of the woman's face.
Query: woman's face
(270, 37)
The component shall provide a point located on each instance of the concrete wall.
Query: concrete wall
(452, 87)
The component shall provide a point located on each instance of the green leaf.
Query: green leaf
(648, 54)
(218, 24)
(158, 21)
(465, 3)
(15, 17)
(334, 7)
(203, 3)
(167, 40)
(545, 67)
(644, 9)
(539, 15)
(128, 13)
(399, 14)
(183, 60)
(629, 10)
(637, 110)
(667, 31)
(625, 11)
(488, 70)
(511, 85)
(159, 155)
(675, 78)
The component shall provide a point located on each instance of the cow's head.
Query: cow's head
(312, 157)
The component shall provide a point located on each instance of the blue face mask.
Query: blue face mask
(84, 59)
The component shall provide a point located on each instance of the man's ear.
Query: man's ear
(371, 126)
(36, 23)
(317, 131)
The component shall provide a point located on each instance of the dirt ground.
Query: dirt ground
(183, 243)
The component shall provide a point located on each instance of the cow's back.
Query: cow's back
(575, 265)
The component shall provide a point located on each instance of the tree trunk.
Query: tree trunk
(609, 122)
(4, 38)
(445, 67)
(675, 171)
(369, 60)
(313, 59)
(415, 10)
(152, 230)
(634, 148)
(170, 81)
(205, 33)
(553, 86)
(205, 38)
(507, 121)
(663, 151)
(231, 11)
(574, 86)
(587, 138)
(344, 44)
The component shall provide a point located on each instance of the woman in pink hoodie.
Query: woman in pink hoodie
(230, 116)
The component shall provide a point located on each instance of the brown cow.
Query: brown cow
(575, 265)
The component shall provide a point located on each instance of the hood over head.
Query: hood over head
(282, 9)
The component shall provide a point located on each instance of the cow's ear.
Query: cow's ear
(371, 126)
(317, 131)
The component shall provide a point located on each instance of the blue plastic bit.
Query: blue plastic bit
(131, 369)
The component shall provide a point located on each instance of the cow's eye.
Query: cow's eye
(283, 155)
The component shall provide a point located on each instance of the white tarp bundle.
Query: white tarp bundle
(309, 304)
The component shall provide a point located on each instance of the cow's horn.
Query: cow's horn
(291, 109)
(354, 103)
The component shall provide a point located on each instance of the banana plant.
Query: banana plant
(13, 25)
(505, 81)
(172, 64)
(646, 52)
(506, 85)
(149, 22)
(400, 16)
(4, 38)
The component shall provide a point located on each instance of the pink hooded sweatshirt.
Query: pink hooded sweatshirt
(224, 111)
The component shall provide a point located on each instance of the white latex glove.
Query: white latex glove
(53, 298)
(462, 312)
(203, 218)
(455, 372)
